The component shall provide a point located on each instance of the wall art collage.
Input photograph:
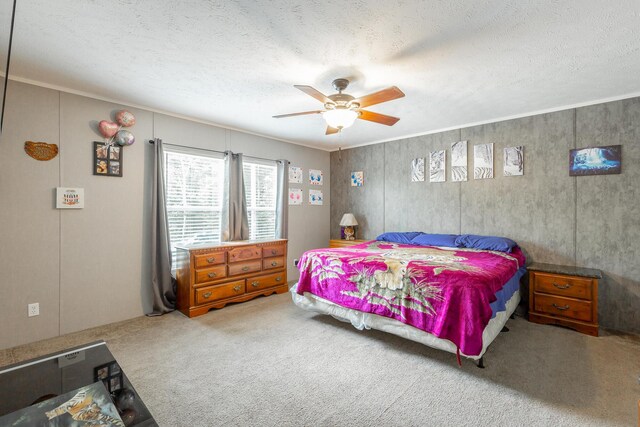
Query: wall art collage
(315, 178)
(108, 155)
(483, 164)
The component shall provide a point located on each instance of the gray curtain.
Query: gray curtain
(163, 284)
(235, 219)
(282, 199)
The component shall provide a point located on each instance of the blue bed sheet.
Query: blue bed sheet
(507, 291)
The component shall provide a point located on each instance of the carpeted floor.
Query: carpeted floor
(268, 363)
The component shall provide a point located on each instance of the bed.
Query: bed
(456, 299)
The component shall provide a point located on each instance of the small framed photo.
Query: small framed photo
(114, 368)
(102, 372)
(114, 168)
(102, 151)
(107, 159)
(115, 383)
(114, 153)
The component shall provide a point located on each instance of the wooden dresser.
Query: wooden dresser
(342, 243)
(564, 295)
(213, 276)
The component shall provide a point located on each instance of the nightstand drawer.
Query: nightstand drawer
(341, 243)
(563, 307)
(214, 293)
(211, 274)
(566, 286)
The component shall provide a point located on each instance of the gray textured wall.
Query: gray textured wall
(90, 267)
(586, 221)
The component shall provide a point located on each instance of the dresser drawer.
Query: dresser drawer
(244, 253)
(563, 307)
(268, 281)
(244, 267)
(270, 251)
(568, 286)
(209, 259)
(218, 292)
(270, 263)
(210, 274)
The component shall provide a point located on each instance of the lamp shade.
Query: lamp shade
(340, 118)
(348, 220)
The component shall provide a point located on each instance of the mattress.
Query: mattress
(361, 321)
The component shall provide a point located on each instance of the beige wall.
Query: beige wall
(91, 267)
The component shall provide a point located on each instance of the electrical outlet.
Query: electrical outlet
(295, 262)
(34, 309)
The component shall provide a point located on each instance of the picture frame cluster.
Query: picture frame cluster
(296, 195)
(111, 376)
(107, 159)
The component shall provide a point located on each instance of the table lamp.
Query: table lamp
(348, 225)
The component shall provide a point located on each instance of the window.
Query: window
(194, 185)
(260, 187)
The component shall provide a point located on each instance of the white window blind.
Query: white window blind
(194, 185)
(260, 186)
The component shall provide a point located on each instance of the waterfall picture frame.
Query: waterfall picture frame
(606, 160)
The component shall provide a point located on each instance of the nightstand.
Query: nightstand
(564, 295)
(341, 243)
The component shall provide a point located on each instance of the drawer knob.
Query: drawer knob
(565, 286)
(561, 307)
(273, 252)
(206, 295)
(274, 263)
(278, 279)
(210, 260)
(237, 288)
(245, 268)
(212, 275)
(255, 284)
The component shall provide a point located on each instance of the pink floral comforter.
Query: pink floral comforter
(444, 291)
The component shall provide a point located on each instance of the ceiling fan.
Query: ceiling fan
(341, 109)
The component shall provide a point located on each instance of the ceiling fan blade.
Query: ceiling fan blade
(297, 114)
(378, 118)
(383, 95)
(331, 131)
(314, 93)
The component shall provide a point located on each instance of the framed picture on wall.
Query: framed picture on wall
(107, 159)
(595, 161)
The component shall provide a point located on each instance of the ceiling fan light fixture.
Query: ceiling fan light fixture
(340, 117)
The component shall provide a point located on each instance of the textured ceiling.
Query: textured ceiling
(234, 63)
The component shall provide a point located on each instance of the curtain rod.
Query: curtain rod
(151, 141)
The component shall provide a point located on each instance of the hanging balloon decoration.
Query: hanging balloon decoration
(108, 155)
(107, 128)
(113, 132)
(124, 137)
(125, 118)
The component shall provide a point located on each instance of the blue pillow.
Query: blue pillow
(395, 237)
(489, 243)
(435, 240)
